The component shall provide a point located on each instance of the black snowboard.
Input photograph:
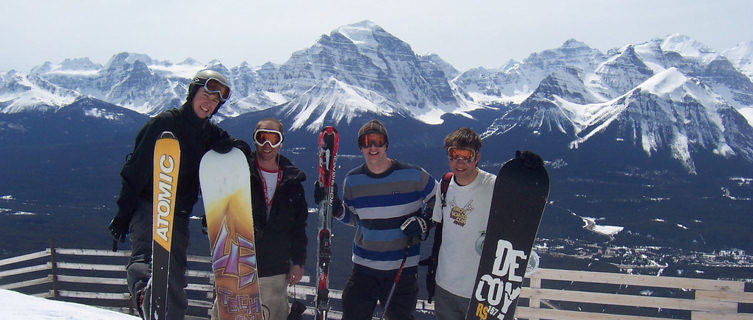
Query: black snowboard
(520, 193)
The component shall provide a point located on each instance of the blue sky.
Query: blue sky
(466, 34)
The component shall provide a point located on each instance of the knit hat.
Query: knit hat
(373, 126)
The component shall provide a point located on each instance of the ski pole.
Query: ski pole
(397, 277)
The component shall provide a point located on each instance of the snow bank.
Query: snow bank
(20, 306)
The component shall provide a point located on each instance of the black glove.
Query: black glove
(414, 226)
(320, 193)
(223, 145)
(530, 160)
(118, 228)
(296, 310)
(204, 229)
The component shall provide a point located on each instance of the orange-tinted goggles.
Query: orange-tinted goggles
(215, 86)
(273, 137)
(457, 154)
(376, 139)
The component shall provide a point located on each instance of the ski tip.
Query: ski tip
(167, 134)
(329, 130)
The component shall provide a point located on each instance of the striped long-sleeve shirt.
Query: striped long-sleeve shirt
(377, 204)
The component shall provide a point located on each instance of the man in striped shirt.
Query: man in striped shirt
(390, 203)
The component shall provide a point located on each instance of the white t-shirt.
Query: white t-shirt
(464, 221)
(270, 180)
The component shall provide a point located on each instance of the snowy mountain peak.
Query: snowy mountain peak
(572, 44)
(126, 58)
(741, 57)
(687, 47)
(79, 64)
(361, 33)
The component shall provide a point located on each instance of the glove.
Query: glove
(530, 160)
(414, 226)
(118, 228)
(223, 145)
(320, 194)
(204, 229)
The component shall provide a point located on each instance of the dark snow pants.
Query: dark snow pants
(363, 291)
(139, 267)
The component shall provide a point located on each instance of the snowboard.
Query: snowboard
(166, 167)
(226, 193)
(328, 144)
(518, 202)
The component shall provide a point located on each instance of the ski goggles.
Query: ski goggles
(272, 137)
(372, 139)
(461, 154)
(213, 85)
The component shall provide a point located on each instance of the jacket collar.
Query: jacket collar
(289, 171)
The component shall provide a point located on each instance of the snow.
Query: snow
(73, 73)
(36, 98)
(186, 71)
(748, 114)
(362, 35)
(20, 306)
(101, 113)
(688, 47)
(665, 83)
(334, 100)
(741, 56)
(591, 225)
(275, 97)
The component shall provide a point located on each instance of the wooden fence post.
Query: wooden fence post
(534, 302)
(53, 270)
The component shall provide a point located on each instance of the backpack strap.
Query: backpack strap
(443, 187)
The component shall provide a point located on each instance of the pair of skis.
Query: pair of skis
(327, 154)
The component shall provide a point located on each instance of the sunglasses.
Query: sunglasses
(272, 137)
(213, 85)
(372, 139)
(458, 154)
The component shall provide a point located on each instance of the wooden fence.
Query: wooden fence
(97, 277)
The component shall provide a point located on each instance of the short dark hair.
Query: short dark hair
(463, 138)
(277, 122)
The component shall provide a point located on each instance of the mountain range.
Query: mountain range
(662, 128)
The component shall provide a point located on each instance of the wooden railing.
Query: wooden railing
(97, 277)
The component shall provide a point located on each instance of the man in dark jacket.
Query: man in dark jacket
(280, 212)
(196, 135)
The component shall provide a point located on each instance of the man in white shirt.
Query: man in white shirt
(462, 217)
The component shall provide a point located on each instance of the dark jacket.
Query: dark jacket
(195, 135)
(281, 239)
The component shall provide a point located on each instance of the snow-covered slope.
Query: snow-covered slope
(20, 306)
